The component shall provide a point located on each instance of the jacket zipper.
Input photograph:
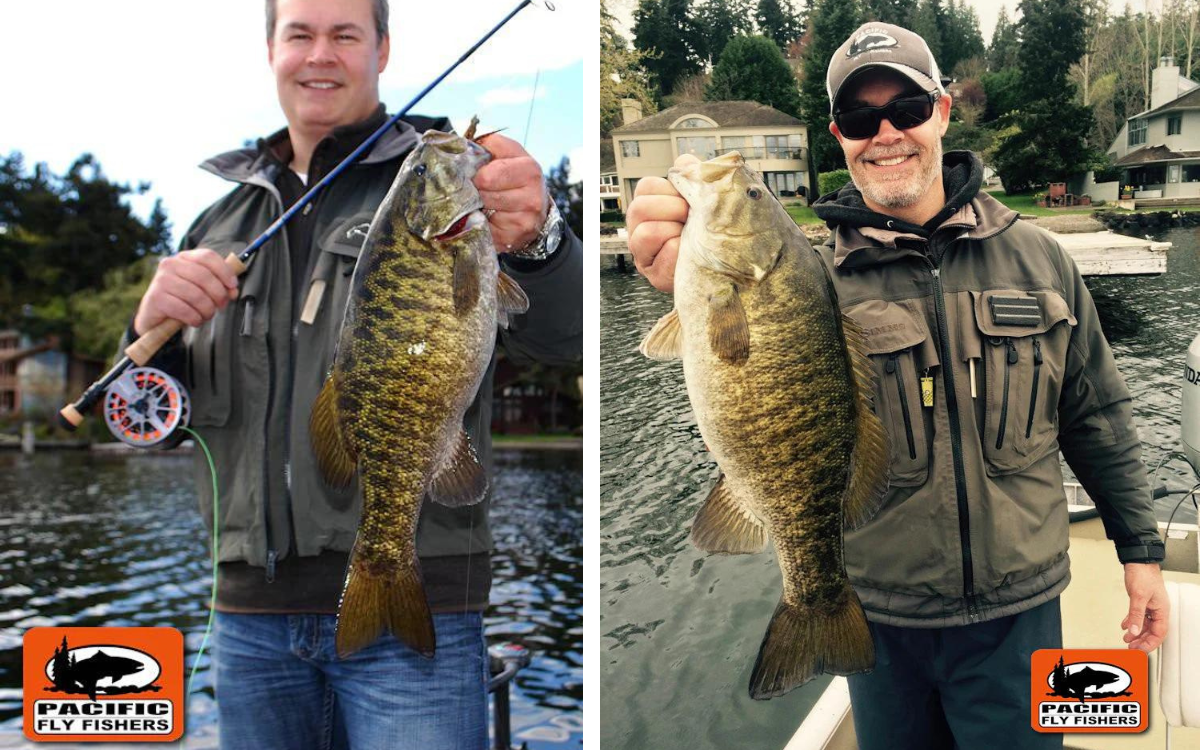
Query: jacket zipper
(1037, 371)
(956, 449)
(1010, 359)
(893, 368)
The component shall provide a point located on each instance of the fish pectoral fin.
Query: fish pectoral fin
(665, 340)
(374, 602)
(510, 299)
(461, 480)
(334, 457)
(802, 642)
(726, 525)
(728, 331)
(869, 461)
(466, 282)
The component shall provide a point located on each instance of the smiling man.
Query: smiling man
(254, 362)
(989, 358)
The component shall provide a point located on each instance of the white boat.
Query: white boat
(1092, 609)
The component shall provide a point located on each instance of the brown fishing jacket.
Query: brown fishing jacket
(989, 360)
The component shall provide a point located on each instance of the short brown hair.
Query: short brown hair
(379, 11)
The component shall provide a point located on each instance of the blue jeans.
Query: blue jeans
(280, 685)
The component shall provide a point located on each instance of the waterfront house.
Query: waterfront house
(773, 143)
(37, 378)
(1158, 150)
(610, 190)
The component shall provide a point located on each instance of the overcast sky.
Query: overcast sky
(153, 88)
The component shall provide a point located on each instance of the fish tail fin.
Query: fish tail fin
(373, 602)
(334, 457)
(803, 642)
(869, 461)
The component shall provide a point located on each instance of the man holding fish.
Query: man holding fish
(987, 359)
(262, 346)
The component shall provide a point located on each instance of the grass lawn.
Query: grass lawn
(617, 224)
(1024, 203)
(531, 439)
(802, 214)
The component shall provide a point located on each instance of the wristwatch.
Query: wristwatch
(547, 241)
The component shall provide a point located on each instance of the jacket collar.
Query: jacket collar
(863, 237)
(261, 163)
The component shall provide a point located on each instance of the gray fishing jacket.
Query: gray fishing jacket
(975, 522)
(254, 370)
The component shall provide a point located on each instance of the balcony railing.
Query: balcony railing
(759, 152)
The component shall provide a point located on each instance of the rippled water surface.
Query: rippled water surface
(88, 540)
(680, 630)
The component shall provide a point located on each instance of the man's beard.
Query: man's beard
(898, 193)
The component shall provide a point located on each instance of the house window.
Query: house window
(609, 180)
(1175, 124)
(630, 149)
(1191, 172)
(749, 146)
(610, 204)
(702, 147)
(785, 184)
(694, 122)
(1137, 132)
(783, 146)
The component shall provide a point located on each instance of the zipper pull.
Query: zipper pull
(1012, 350)
(248, 317)
(890, 367)
(271, 555)
(1037, 351)
(927, 387)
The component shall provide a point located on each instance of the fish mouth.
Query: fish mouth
(465, 222)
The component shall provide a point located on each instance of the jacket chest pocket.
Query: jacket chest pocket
(331, 282)
(229, 350)
(900, 348)
(1022, 347)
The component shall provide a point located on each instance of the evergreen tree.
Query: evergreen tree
(832, 22)
(1006, 43)
(778, 21)
(719, 21)
(1051, 42)
(666, 34)
(898, 12)
(961, 38)
(927, 22)
(753, 68)
(621, 76)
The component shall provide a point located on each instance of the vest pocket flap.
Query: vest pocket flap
(888, 326)
(1009, 312)
(347, 237)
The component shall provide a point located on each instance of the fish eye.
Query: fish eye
(420, 170)
(754, 193)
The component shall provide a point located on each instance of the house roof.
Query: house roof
(608, 161)
(725, 114)
(1190, 99)
(1150, 154)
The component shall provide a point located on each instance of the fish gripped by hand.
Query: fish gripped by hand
(782, 389)
(418, 334)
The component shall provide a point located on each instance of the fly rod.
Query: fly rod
(140, 351)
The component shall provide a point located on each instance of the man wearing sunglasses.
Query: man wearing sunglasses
(989, 358)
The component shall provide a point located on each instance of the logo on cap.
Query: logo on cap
(870, 40)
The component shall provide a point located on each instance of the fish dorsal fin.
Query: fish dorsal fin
(665, 340)
(727, 525)
(870, 458)
(728, 330)
(461, 480)
(470, 134)
(716, 169)
(335, 457)
(510, 299)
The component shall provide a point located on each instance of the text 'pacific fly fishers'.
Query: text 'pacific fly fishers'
(782, 390)
(418, 335)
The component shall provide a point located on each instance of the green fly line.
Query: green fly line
(212, 604)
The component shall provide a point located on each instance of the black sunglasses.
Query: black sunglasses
(904, 113)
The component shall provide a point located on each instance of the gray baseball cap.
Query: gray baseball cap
(876, 44)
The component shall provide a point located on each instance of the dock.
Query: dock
(1096, 253)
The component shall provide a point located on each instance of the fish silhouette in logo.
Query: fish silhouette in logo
(81, 676)
(871, 40)
(1082, 683)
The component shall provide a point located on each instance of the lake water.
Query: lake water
(680, 630)
(89, 540)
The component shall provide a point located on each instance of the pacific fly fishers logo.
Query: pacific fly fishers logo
(1089, 690)
(103, 684)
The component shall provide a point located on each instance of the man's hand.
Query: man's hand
(1146, 623)
(189, 287)
(514, 193)
(654, 222)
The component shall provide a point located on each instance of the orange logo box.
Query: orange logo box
(103, 684)
(1089, 690)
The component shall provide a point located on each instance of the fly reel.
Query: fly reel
(146, 407)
